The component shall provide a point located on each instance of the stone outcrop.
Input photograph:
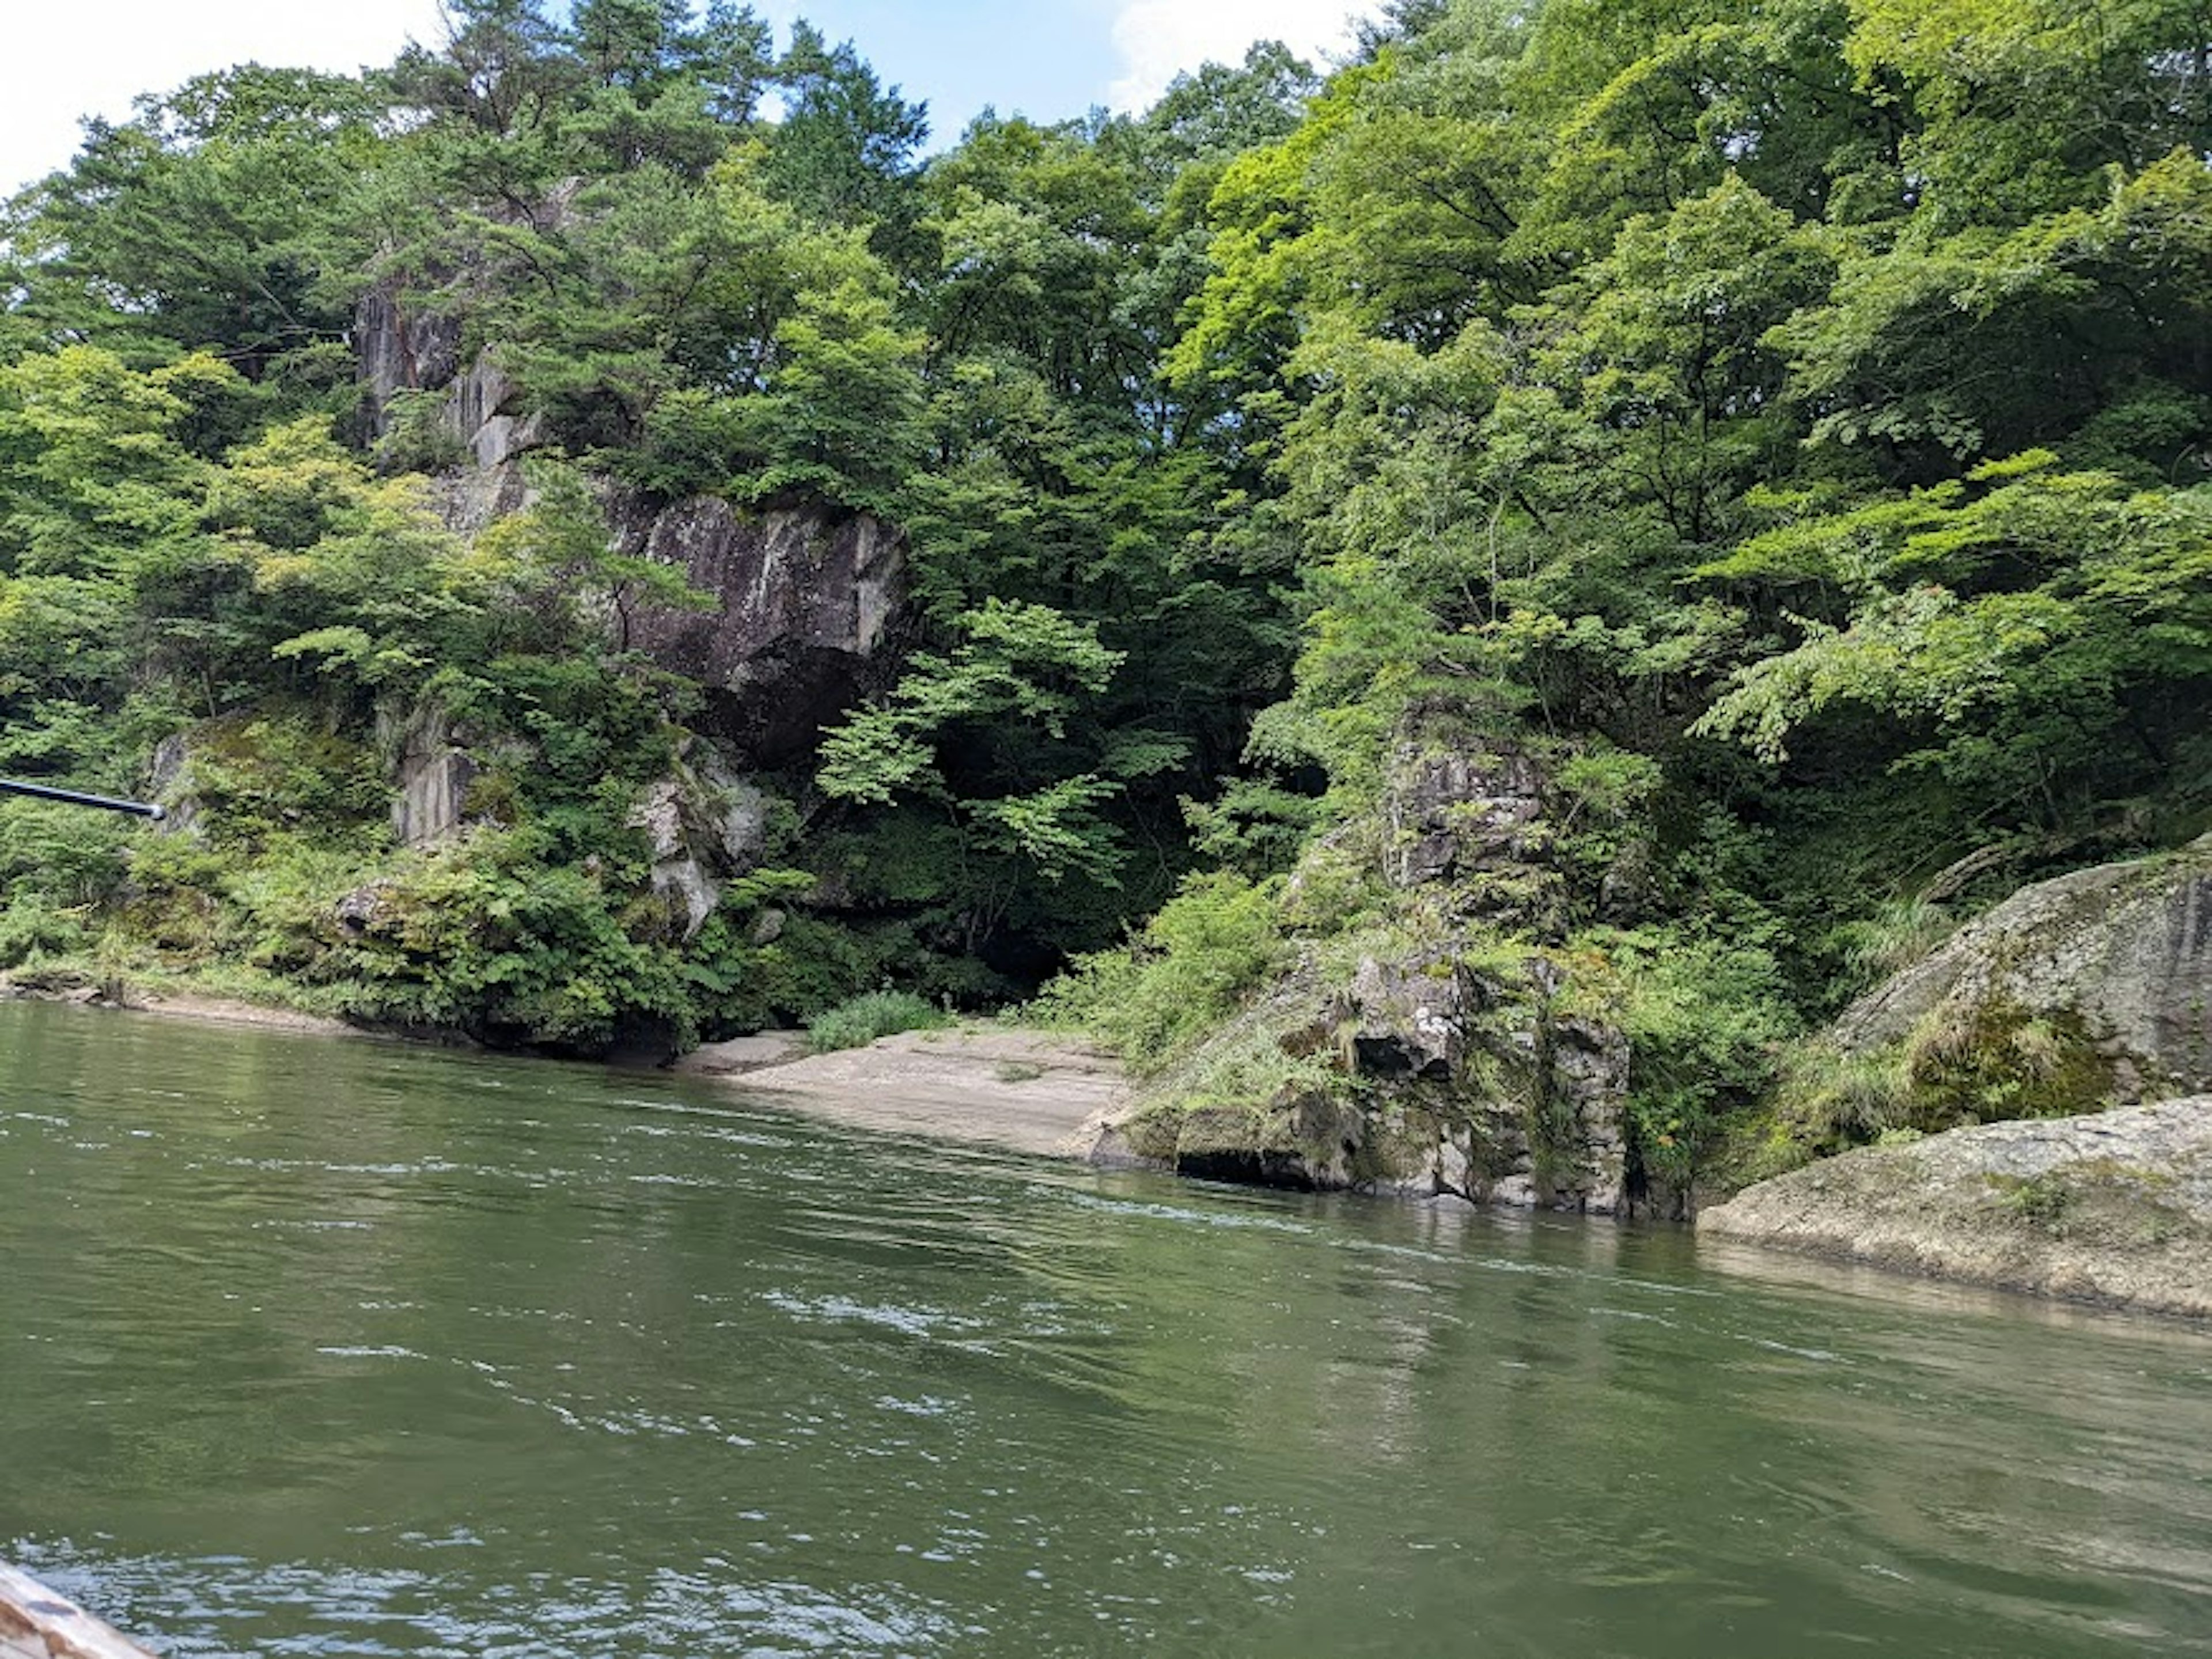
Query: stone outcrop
(1418, 1076)
(741, 1055)
(704, 828)
(1448, 1067)
(2115, 1206)
(1466, 818)
(2114, 961)
(1033, 1091)
(808, 601)
(434, 771)
(404, 343)
(705, 825)
(473, 499)
(171, 784)
(484, 414)
(808, 598)
(401, 347)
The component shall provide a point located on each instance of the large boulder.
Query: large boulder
(2114, 1206)
(2091, 989)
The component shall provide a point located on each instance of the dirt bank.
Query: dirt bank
(173, 1004)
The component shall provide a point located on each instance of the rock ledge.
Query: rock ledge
(2115, 1206)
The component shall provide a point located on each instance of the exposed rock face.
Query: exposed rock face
(1421, 1077)
(809, 597)
(484, 414)
(401, 349)
(1418, 1073)
(808, 602)
(677, 876)
(704, 825)
(1467, 815)
(473, 499)
(365, 909)
(172, 785)
(1460, 809)
(1512, 1102)
(2119, 956)
(2117, 1206)
(434, 775)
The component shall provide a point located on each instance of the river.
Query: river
(320, 1347)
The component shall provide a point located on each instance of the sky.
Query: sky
(1044, 58)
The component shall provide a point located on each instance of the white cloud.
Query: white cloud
(1158, 39)
(91, 57)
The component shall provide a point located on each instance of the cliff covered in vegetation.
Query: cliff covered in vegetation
(1463, 605)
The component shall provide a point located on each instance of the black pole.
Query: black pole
(71, 798)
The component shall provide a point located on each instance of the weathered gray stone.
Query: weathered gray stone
(1409, 1019)
(472, 499)
(735, 809)
(808, 600)
(1445, 1082)
(401, 348)
(171, 784)
(1457, 810)
(2114, 1206)
(704, 824)
(483, 413)
(1465, 820)
(2124, 951)
(365, 909)
(433, 773)
(677, 876)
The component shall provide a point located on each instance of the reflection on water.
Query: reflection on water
(319, 1347)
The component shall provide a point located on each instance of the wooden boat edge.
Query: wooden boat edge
(38, 1623)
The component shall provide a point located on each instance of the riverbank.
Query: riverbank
(1016, 1087)
(2114, 1208)
(1027, 1090)
(81, 990)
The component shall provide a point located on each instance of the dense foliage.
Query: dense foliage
(1791, 424)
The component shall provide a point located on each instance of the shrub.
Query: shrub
(1194, 965)
(31, 928)
(856, 1022)
(1705, 1020)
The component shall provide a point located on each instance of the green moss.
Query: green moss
(1995, 1061)
(2040, 1200)
(1964, 1064)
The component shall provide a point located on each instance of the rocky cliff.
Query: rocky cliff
(809, 598)
(1441, 1052)
(809, 603)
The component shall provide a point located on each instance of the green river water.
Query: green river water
(316, 1347)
